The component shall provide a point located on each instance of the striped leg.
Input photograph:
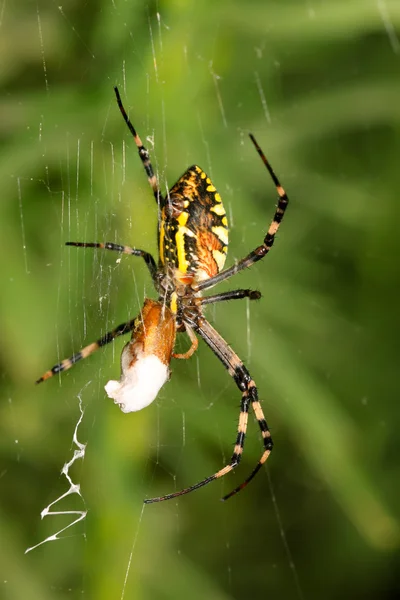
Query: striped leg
(245, 383)
(249, 396)
(143, 152)
(231, 295)
(268, 445)
(237, 453)
(106, 339)
(269, 239)
(147, 257)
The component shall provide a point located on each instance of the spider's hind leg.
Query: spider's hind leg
(122, 249)
(236, 456)
(268, 445)
(248, 388)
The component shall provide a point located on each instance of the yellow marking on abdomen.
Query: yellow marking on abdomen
(182, 219)
(218, 209)
(180, 246)
(219, 258)
(221, 233)
(162, 238)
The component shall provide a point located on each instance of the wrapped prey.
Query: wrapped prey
(145, 359)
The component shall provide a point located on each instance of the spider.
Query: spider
(192, 243)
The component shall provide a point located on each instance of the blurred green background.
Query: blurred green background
(318, 83)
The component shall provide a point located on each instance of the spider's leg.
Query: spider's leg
(267, 450)
(248, 479)
(248, 388)
(143, 152)
(147, 257)
(231, 295)
(67, 363)
(245, 383)
(193, 347)
(258, 253)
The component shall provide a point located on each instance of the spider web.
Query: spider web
(105, 271)
(102, 195)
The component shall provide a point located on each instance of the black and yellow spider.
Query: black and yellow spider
(192, 242)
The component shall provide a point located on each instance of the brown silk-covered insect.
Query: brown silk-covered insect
(193, 243)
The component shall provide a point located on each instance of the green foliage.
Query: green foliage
(317, 83)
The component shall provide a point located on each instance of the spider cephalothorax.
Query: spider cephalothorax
(193, 243)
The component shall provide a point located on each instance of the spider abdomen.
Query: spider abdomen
(193, 228)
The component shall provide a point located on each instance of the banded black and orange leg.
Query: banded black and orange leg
(87, 350)
(269, 239)
(245, 383)
(231, 295)
(143, 152)
(248, 388)
(267, 441)
(236, 456)
(147, 257)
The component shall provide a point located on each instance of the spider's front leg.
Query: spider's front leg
(147, 257)
(246, 385)
(143, 152)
